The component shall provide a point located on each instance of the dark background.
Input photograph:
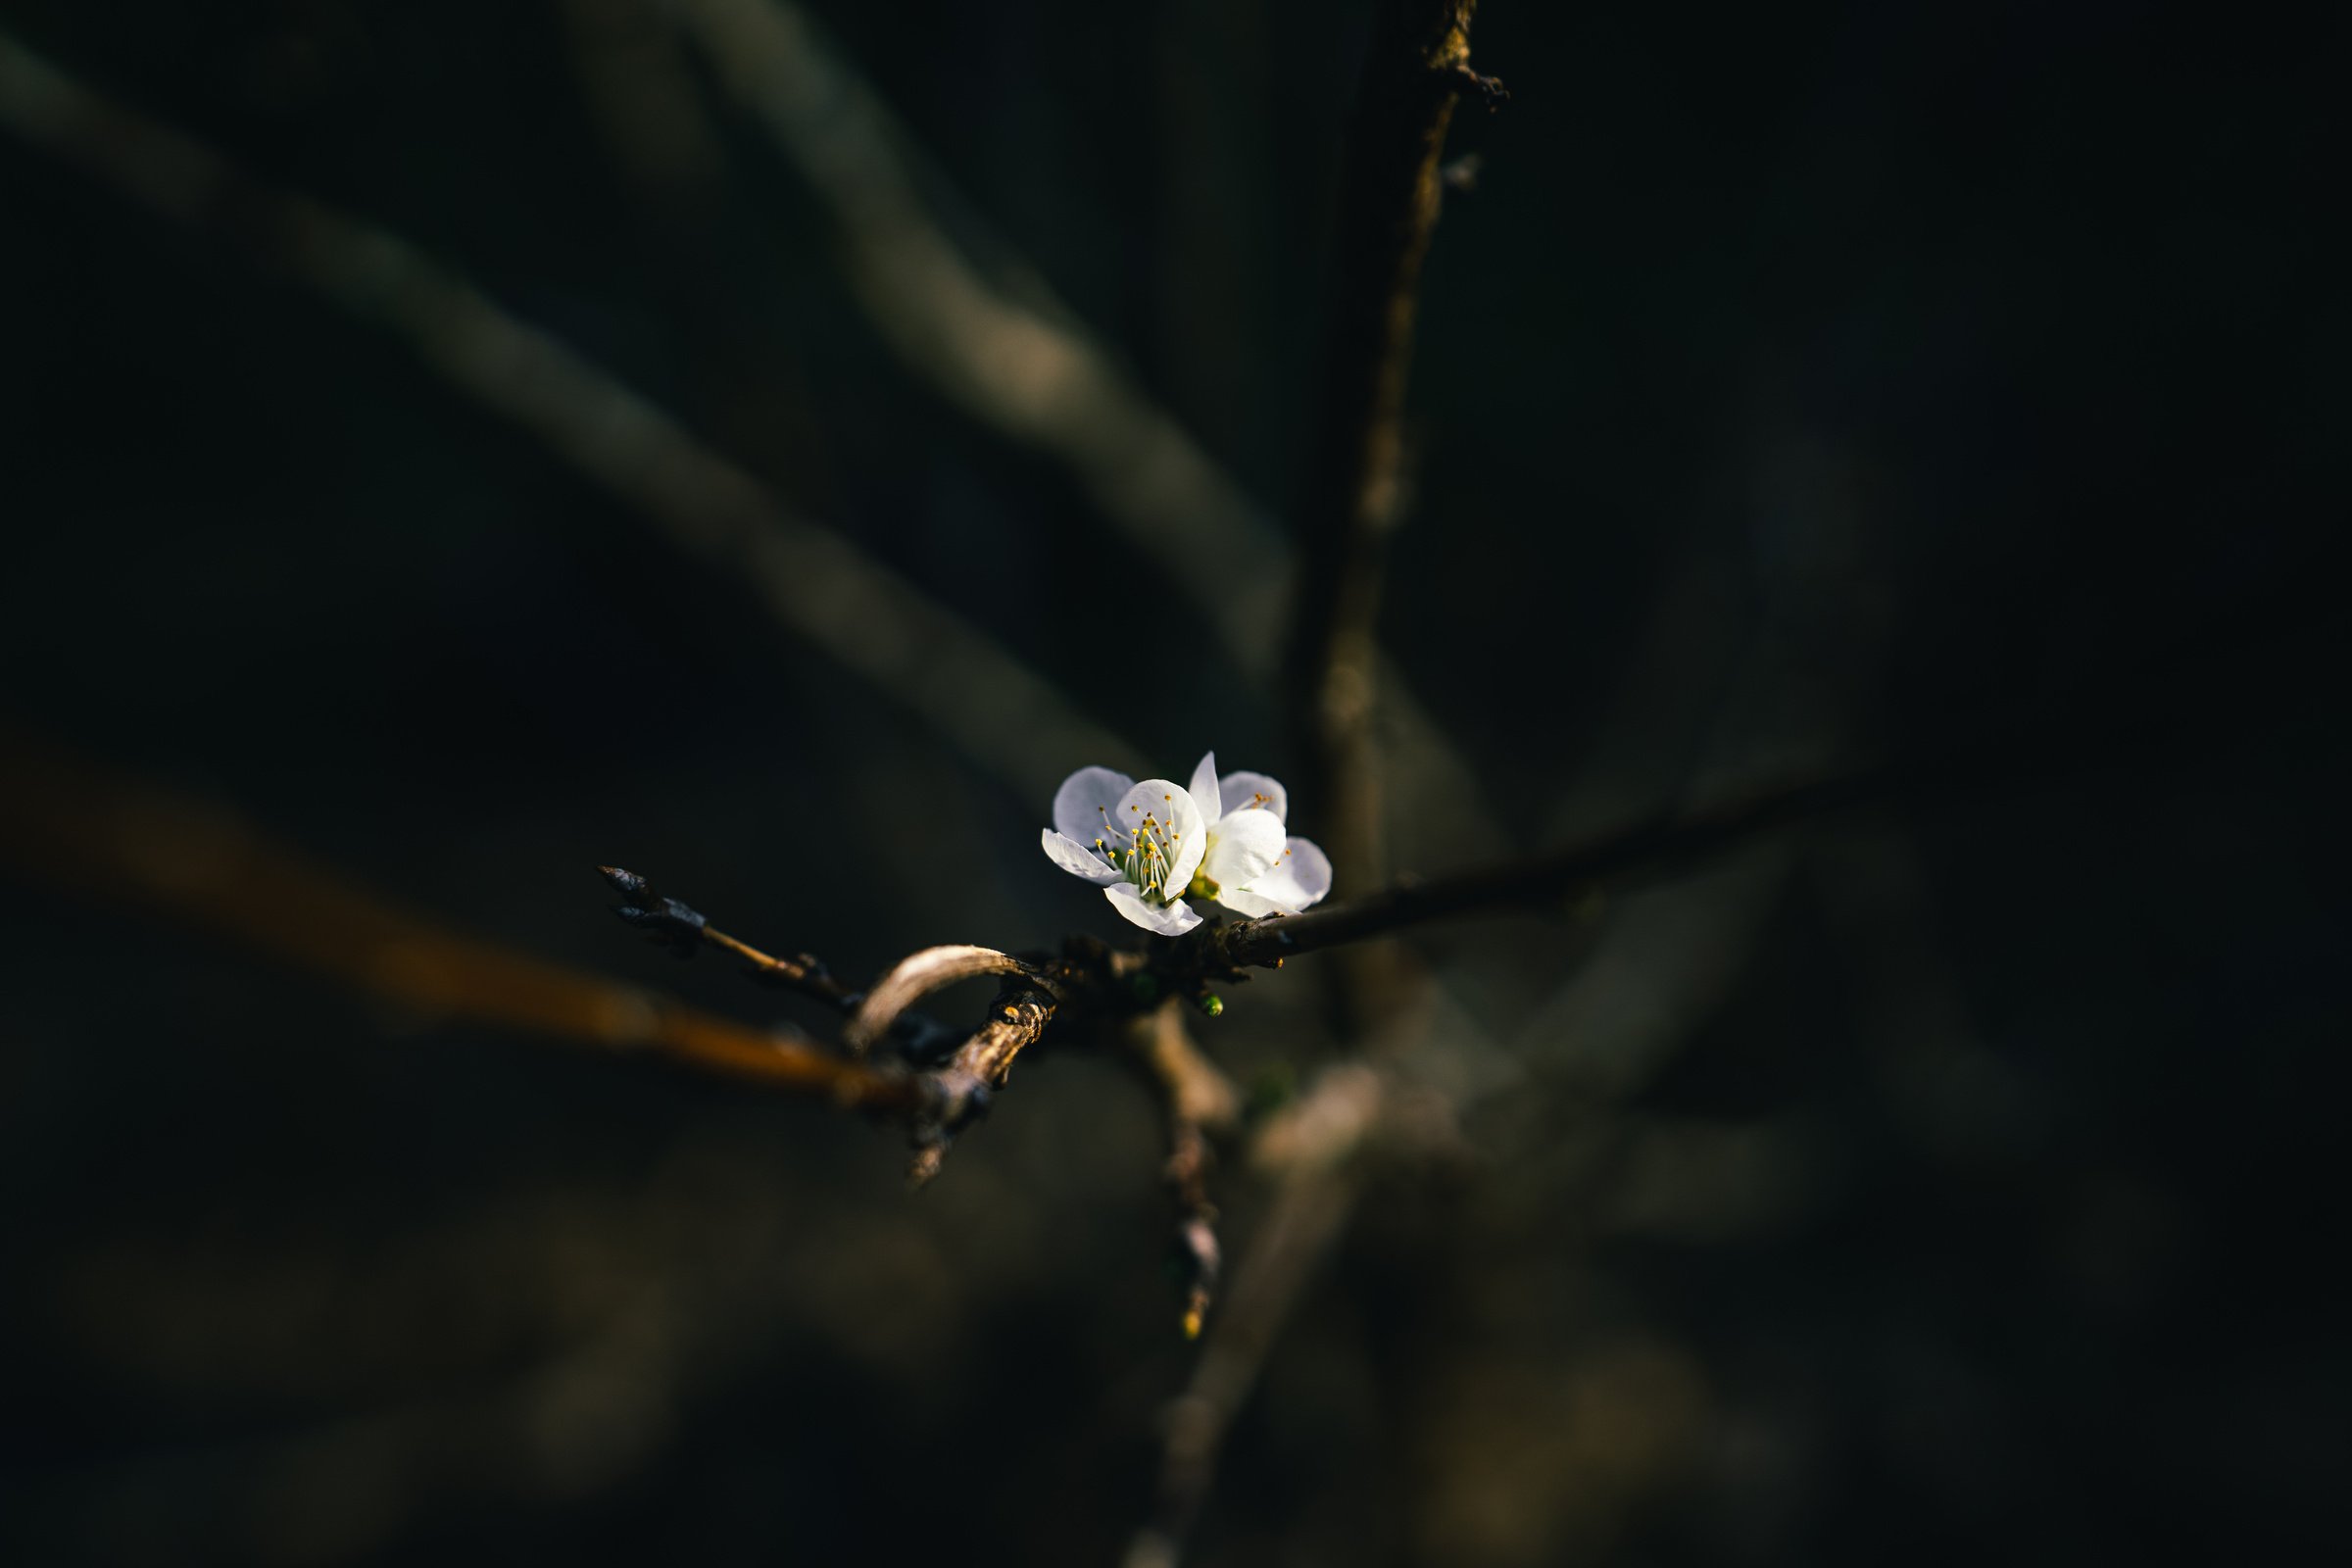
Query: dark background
(1953, 1181)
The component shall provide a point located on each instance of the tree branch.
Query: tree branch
(1389, 203)
(916, 976)
(997, 343)
(72, 826)
(1005, 351)
(865, 617)
(1552, 880)
(921, 1038)
(1200, 1103)
(1313, 1151)
(979, 1068)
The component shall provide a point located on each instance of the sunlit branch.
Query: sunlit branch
(859, 613)
(980, 1067)
(916, 977)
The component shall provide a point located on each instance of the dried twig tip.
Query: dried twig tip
(1491, 91)
(628, 884)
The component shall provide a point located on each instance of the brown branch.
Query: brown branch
(979, 1068)
(865, 617)
(1389, 203)
(70, 825)
(1200, 1103)
(1553, 880)
(921, 1038)
(1388, 207)
(1313, 1151)
(683, 927)
(2125, 704)
(916, 977)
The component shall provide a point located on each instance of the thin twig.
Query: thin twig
(1389, 203)
(920, 1038)
(682, 925)
(1555, 880)
(865, 616)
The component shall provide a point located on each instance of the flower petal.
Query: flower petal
(1203, 789)
(1076, 858)
(1243, 848)
(1085, 800)
(1241, 900)
(1168, 920)
(1304, 869)
(1184, 836)
(1299, 878)
(1238, 791)
(1192, 842)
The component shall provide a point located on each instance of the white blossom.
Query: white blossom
(1251, 868)
(1148, 846)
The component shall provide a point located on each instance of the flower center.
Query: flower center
(1145, 856)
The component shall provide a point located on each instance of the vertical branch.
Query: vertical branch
(1198, 1103)
(1314, 1152)
(969, 316)
(1388, 207)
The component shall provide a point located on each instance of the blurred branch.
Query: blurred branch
(1014, 359)
(1389, 202)
(70, 826)
(1006, 351)
(2118, 706)
(859, 613)
(1313, 1151)
(634, 75)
